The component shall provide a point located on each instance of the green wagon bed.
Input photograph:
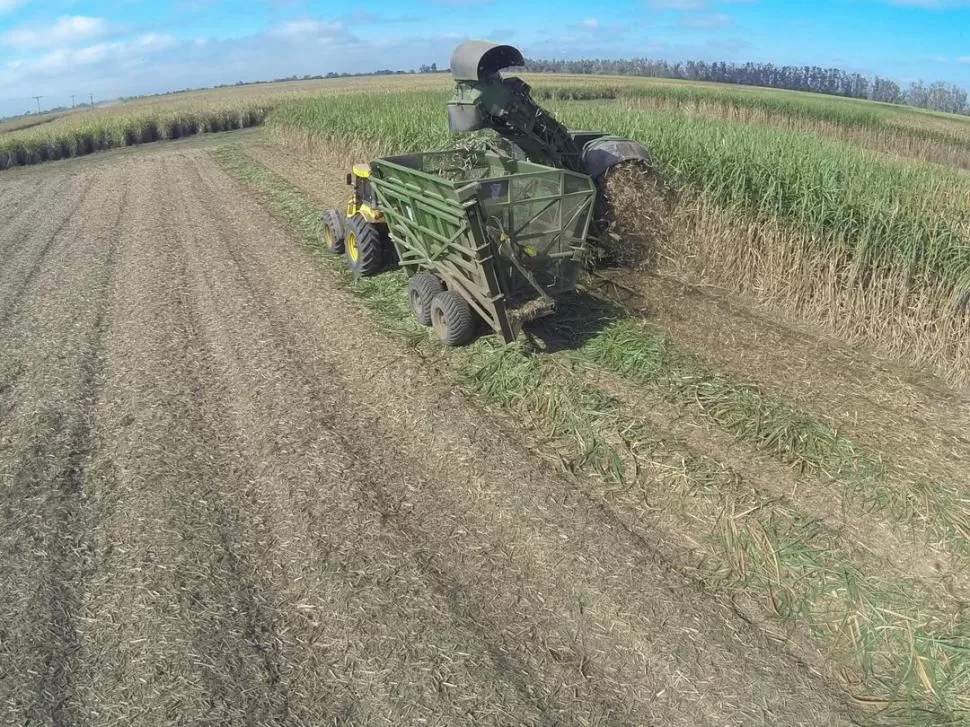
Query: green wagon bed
(505, 235)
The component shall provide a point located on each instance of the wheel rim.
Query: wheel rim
(352, 250)
(416, 303)
(438, 323)
(328, 236)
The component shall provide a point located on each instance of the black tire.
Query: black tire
(423, 289)
(364, 246)
(333, 231)
(452, 318)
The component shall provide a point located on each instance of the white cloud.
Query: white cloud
(707, 21)
(964, 59)
(306, 27)
(66, 30)
(591, 30)
(65, 59)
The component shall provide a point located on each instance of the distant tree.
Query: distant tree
(885, 90)
(832, 81)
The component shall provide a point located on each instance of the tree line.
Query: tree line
(937, 96)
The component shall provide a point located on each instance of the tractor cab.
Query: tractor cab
(363, 201)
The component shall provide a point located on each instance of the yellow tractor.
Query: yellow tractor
(360, 232)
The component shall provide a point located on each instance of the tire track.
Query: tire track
(54, 341)
(216, 279)
(181, 620)
(65, 578)
(219, 277)
(13, 209)
(366, 476)
(13, 293)
(226, 509)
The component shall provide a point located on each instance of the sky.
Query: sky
(112, 48)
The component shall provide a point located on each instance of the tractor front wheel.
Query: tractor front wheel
(333, 231)
(422, 289)
(364, 247)
(452, 318)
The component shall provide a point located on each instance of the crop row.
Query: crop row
(107, 132)
(896, 640)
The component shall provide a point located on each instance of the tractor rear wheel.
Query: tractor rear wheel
(422, 289)
(452, 318)
(364, 246)
(333, 231)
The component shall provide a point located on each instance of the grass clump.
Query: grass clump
(933, 511)
(796, 438)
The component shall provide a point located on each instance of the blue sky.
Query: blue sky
(110, 48)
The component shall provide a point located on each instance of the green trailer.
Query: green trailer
(480, 233)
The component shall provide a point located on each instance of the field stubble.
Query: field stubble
(251, 530)
(805, 551)
(835, 587)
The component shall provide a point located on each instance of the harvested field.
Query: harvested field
(229, 496)
(872, 520)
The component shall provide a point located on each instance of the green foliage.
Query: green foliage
(876, 215)
(848, 112)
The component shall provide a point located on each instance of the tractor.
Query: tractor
(360, 231)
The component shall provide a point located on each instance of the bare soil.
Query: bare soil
(228, 498)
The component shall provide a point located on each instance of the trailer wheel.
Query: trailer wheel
(452, 319)
(423, 289)
(363, 246)
(333, 231)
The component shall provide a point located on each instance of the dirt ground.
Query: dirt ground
(228, 498)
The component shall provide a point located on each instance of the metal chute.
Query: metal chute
(485, 100)
(477, 60)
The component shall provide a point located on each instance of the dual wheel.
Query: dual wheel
(357, 239)
(363, 245)
(444, 310)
